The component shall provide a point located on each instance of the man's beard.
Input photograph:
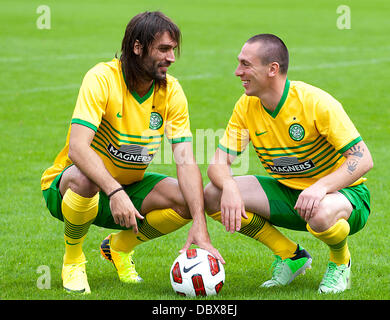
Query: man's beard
(152, 71)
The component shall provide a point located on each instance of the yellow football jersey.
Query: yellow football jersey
(301, 141)
(128, 129)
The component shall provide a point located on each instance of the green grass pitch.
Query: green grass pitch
(42, 71)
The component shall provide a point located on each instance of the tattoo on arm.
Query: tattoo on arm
(351, 166)
(357, 153)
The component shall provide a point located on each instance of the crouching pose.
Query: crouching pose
(314, 155)
(123, 110)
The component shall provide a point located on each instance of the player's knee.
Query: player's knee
(212, 198)
(326, 216)
(180, 206)
(82, 185)
(319, 222)
(182, 211)
(177, 202)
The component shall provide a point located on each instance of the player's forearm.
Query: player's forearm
(220, 175)
(190, 179)
(358, 162)
(219, 170)
(190, 182)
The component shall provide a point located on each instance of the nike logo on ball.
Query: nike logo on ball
(188, 269)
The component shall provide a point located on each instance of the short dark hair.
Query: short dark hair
(144, 27)
(274, 50)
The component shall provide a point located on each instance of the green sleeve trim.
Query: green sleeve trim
(349, 145)
(85, 123)
(178, 140)
(229, 151)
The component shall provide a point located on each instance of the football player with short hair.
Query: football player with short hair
(314, 155)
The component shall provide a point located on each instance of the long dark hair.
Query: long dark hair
(144, 27)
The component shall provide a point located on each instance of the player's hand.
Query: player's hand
(123, 211)
(199, 236)
(232, 207)
(309, 201)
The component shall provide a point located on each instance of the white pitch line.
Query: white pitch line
(339, 64)
(338, 49)
(75, 56)
(41, 89)
(198, 76)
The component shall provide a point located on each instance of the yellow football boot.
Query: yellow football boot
(122, 261)
(74, 278)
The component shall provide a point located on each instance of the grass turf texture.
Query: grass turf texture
(43, 69)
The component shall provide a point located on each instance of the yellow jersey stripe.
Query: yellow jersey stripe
(131, 135)
(104, 143)
(104, 137)
(289, 148)
(313, 149)
(111, 137)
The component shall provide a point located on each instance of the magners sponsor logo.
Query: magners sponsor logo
(290, 165)
(131, 153)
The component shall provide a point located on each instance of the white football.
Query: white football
(197, 272)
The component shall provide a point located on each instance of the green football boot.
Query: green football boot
(285, 271)
(336, 279)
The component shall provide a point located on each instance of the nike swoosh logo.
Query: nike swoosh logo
(188, 269)
(119, 115)
(260, 133)
(71, 244)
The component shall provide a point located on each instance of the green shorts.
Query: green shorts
(136, 191)
(282, 200)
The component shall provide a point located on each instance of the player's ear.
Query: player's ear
(137, 49)
(273, 69)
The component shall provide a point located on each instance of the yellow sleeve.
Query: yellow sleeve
(333, 123)
(92, 99)
(177, 128)
(236, 136)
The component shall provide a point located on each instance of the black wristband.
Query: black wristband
(115, 191)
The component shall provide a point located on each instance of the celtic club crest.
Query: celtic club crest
(156, 121)
(296, 132)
